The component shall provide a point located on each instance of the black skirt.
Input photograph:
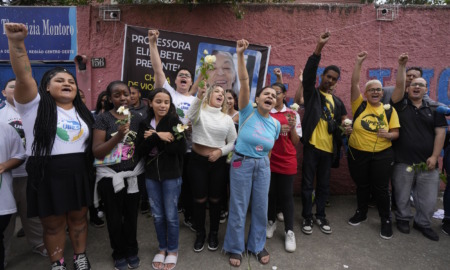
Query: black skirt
(58, 186)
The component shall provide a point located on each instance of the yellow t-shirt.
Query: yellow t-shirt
(364, 135)
(320, 137)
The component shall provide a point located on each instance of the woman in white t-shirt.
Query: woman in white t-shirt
(58, 132)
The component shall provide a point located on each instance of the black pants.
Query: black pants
(207, 182)
(4, 221)
(371, 173)
(142, 188)
(121, 211)
(186, 199)
(315, 163)
(281, 197)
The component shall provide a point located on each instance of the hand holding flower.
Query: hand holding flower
(294, 107)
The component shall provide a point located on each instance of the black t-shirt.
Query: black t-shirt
(107, 122)
(417, 131)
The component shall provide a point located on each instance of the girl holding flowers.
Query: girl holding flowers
(283, 167)
(371, 156)
(115, 132)
(163, 150)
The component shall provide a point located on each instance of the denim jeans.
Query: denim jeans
(248, 180)
(446, 164)
(163, 196)
(426, 186)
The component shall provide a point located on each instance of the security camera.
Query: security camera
(113, 14)
(384, 11)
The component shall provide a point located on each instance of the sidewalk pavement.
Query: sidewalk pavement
(348, 247)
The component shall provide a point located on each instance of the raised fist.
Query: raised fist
(16, 31)
(153, 36)
(361, 56)
(403, 59)
(324, 37)
(241, 45)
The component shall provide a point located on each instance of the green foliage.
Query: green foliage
(413, 2)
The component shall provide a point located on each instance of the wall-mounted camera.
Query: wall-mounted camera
(80, 62)
(387, 13)
(110, 13)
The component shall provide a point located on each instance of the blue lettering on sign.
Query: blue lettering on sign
(380, 74)
(428, 74)
(443, 86)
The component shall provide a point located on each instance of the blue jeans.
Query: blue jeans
(163, 196)
(249, 180)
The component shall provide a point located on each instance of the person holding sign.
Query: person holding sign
(58, 132)
(250, 170)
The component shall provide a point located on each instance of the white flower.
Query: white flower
(347, 122)
(182, 128)
(295, 107)
(126, 112)
(121, 109)
(254, 105)
(205, 52)
(210, 59)
(409, 169)
(387, 106)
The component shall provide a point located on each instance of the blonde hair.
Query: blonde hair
(207, 97)
(372, 82)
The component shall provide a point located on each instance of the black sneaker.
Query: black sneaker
(427, 232)
(81, 262)
(446, 226)
(223, 216)
(58, 266)
(357, 218)
(188, 223)
(307, 226)
(403, 226)
(96, 222)
(213, 241)
(145, 207)
(324, 225)
(386, 229)
(199, 242)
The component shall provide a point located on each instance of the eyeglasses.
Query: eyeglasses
(418, 85)
(184, 75)
(279, 93)
(373, 90)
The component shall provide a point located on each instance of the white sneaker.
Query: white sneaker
(280, 217)
(289, 241)
(271, 227)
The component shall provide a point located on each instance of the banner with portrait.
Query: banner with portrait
(179, 50)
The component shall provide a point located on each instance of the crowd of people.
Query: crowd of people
(205, 147)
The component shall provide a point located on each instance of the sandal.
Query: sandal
(259, 256)
(235, 256)
(171, 259)
(159, 258)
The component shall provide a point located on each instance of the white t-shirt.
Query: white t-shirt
(10, 147)
(9, 115)
(182, 103)
(72, 133)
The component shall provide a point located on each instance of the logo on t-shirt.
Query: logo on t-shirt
(259, 148)
(69, 130)
(372, 123)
